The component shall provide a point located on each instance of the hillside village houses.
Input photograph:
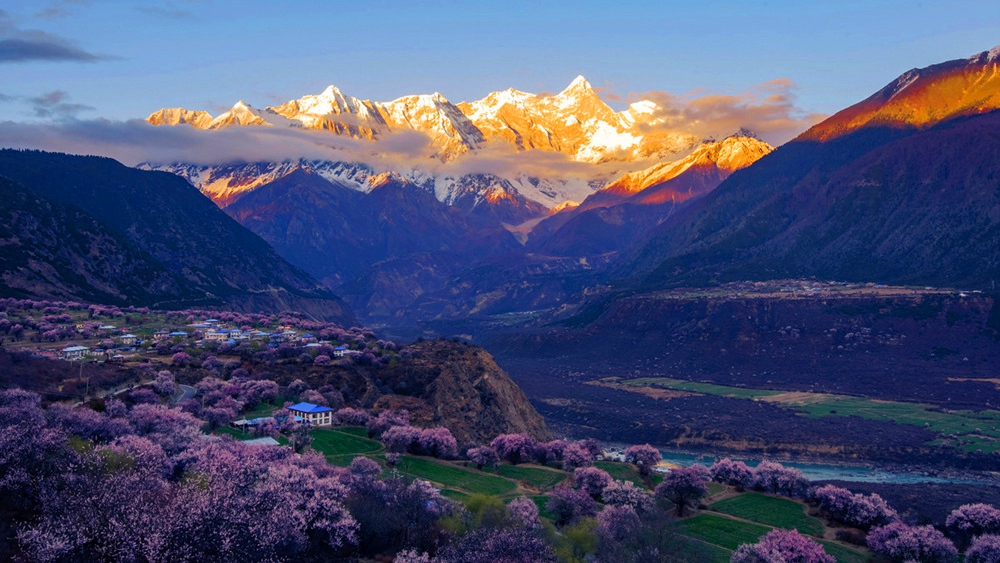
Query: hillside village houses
(195, 334)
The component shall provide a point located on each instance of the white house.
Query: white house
(218, 335)
(313, 414)
(74, 352)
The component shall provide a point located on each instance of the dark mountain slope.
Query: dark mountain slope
(213, 258)
(53, 250)
(918, 208)
(380, 250)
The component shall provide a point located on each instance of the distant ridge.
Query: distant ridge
(142, 238)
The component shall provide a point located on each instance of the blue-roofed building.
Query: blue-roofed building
(313, 414)
(340, 351)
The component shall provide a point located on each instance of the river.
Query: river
(830, 472)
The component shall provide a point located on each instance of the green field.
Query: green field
(332, 442)
(621, 471)
(263, 409)
(234, 432)
(540, 501)
(843, 554)
(455, 495)
(696, 550)
(353, 430)
(715, 488)
(721, 531)
(696, 387)
(970, 430)
(773, 511)
(978, 430)
(534, 476)
(730, 534)
(452, 476)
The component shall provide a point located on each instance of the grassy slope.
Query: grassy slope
(773, 511)
(728, 533)
(534, 476)
(455, 477)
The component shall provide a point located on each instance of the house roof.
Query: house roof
(265, 441)
(309, 407)
(75, 349)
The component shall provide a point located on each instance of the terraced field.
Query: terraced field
(729, 533)
(712, 535)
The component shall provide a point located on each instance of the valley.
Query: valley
(795, 368)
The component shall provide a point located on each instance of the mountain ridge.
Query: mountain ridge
(923, 97)
(873, 193)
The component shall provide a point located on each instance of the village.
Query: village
(118, 344)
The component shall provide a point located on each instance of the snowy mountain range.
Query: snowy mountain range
(575, 126)
(575, 122)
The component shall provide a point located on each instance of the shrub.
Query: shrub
(787, 546)
(684, 486)
(645, 457)
(971, 520)
(568, 505)
(515, 448)
(984, 549)
(734, 473)
(898, 543)
(591, 480)
(483, 456)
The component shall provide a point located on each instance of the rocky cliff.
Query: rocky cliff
(466, 391)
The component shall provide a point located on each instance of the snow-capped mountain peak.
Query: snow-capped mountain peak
(728, 155)
(240, 114)
(578, 84)
(178, 116)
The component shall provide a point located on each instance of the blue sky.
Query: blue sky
(121, 60)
